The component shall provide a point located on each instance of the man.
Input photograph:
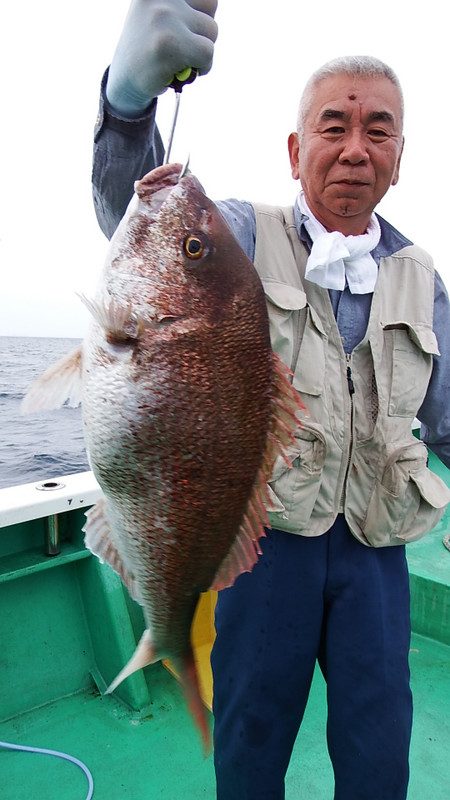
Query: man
(359, 314)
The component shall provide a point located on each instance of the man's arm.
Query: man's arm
(124, 150)
(434, 414)
(159, 39)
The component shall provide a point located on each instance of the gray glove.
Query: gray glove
(159, 39)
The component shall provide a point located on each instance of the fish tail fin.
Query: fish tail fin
(142, 657)
(187, 670)
(60, 382)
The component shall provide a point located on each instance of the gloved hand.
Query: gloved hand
(159, 39)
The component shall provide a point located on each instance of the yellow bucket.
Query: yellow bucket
(203, 635)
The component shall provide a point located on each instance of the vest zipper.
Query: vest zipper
(351, 391)
(351, 385)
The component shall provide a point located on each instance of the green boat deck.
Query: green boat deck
(160, 756)
(67, 626)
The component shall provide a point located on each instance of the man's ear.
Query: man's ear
(396, 174)
(293, 147)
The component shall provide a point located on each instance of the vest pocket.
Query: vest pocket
(286, 308)
(412, 347)
(309, 371)
(408, 500)
(297, 335)
(293, 490)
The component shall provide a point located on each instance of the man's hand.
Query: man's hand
(159, 39)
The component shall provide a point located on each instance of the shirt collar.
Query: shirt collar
(391, 240)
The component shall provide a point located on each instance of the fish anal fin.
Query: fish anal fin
(59, 383)
(99, 541)
(142, 657)
(246, 550)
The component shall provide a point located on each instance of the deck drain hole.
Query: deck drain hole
(49, 486)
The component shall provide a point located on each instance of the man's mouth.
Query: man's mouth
(350, 182)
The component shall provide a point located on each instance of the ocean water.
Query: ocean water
(40, 446)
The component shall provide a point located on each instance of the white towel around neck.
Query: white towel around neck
(335, 257)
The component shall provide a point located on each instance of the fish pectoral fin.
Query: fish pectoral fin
(58, 384)
(142, 657)
(284, 421)
(119, 323)
(99, 541)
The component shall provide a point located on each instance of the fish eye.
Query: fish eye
(193, 247)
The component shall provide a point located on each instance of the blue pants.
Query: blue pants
(331, 599)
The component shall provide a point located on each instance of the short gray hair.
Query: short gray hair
(351, 65)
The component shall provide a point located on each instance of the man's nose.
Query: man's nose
(354, 150)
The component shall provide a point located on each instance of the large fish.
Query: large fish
(185, 409)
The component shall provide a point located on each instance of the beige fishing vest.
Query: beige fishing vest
(354, 453)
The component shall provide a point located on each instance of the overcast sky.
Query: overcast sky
(233, 122)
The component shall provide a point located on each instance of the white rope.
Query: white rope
(43, 751)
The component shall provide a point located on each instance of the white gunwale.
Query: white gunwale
(31, 501)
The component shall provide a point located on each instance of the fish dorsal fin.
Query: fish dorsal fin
(284, 421)
(98, 540)
(59, 383)
(245, 550)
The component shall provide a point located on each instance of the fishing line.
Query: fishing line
(43, 751)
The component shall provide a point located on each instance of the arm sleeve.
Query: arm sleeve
(434, 414)
(124, 150)
(240, 217)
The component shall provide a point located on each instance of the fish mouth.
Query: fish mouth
(156, 186)
(158, 179)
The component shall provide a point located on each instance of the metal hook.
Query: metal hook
(184, 168)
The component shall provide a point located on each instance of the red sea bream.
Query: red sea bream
(185, 409)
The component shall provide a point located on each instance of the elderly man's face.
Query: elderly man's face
(350, 149)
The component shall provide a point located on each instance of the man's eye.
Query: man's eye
(335, 130)
(377, 133)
